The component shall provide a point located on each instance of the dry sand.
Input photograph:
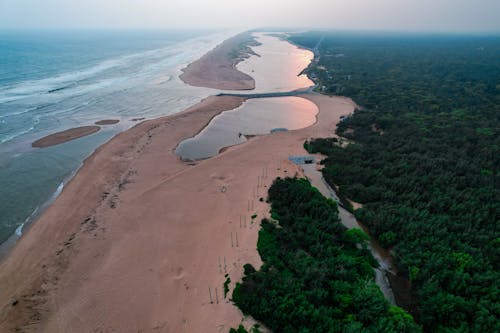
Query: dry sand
(137, 238)
(65, 136)
(217, 68)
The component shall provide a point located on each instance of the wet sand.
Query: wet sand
(107, 122)
(217, 69)
(65, 136)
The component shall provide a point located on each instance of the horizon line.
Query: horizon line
(261, 28)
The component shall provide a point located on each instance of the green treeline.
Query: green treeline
(424, 163)
(317, 276)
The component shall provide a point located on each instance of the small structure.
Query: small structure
(299, 160)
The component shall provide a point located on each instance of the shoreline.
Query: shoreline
(125, 221)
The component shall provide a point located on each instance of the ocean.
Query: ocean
(51, 81)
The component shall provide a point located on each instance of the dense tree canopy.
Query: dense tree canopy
(424, 162)
(315, 276)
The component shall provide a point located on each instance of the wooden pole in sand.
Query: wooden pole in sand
(216, 295)
(220, 266)
(232, 244)
(210, 293)
(225, 266)
(236, 239)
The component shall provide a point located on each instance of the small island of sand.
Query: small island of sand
(65, 136)
(107, 122)
(217, 68)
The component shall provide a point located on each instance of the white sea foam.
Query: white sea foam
(59, 83)
(20, 112)
(10, 137)
(19, 230)
(15, 135)
(58, 190)
(136, 63)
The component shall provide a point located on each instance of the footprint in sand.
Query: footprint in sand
(180, 274)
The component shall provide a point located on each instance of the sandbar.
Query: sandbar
(65, 136)
(107, 122)
(217, 69)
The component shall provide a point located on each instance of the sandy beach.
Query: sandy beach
(217, 69)
(65, 136)
(140, 241)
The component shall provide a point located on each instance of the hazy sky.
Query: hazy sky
(449, 15)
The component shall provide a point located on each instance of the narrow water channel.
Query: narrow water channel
(382, 256)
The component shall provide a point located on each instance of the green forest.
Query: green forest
(423, 160)
(316, 276)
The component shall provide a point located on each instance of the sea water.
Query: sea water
(51, 81)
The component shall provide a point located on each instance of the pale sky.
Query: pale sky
(416, 15)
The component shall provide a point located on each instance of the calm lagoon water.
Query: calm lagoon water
(278, 67)
(254, 117)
